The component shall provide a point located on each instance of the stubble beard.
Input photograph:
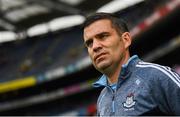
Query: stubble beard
(103, 66)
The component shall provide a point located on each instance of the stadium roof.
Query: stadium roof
(22, 18)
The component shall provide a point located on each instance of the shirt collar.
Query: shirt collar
(128, 66)
(103, 81)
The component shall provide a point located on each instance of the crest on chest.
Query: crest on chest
(129, 102)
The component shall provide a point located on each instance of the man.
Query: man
(131, 86)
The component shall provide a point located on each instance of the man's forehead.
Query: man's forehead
(97, 27)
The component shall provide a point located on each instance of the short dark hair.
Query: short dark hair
(118, 24)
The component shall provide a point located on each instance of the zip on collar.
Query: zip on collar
(124, 70)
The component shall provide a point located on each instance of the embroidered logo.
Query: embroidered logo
(130, 102)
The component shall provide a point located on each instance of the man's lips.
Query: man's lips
(98, 55)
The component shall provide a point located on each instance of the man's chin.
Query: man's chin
(102, 67)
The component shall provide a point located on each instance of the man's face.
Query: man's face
(105, 46)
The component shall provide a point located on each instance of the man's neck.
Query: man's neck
(114, 74)
(114, 77)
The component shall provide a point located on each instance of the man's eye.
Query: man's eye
(89, 43)
(103, 36)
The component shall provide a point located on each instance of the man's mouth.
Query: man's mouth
(98, 56)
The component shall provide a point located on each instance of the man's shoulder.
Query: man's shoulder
(152, 68)
(102, 93)
(154, 71)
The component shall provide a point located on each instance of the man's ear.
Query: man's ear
(126, 37)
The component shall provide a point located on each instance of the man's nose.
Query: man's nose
(96, 46)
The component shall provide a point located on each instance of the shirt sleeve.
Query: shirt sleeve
(167, 90)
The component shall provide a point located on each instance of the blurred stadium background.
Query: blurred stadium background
(44, 67)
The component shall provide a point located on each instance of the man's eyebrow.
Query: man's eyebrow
(101, 34)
